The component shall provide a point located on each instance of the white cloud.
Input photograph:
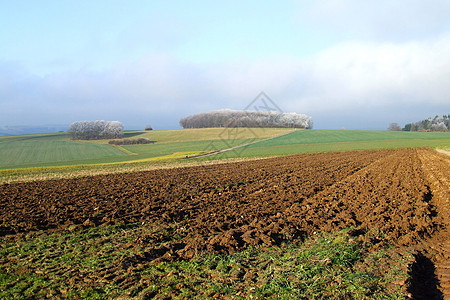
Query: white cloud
(349, 77)
(395, 20)
(374, 73)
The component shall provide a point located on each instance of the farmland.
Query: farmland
(37, 157)
(291, 214)
(32, 150)
(311, 141)
(358, 224)
(42, 150)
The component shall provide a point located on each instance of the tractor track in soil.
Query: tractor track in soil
(401, 196)
(437, 169)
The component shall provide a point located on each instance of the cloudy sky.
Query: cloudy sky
(346, 63)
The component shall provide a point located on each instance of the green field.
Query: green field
(41, 153)
(44, 150)
(310, 141)
(37, 150)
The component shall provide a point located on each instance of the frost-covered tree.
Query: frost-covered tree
(94, 130)
(438, 123)
(112, 130)
(244, 118)
(440, 126)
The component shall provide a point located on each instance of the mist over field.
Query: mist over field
(24, 129)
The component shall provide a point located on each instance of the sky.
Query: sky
(346, 63)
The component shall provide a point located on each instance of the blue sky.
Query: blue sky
(346, 63)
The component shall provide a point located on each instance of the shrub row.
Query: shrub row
(139, 141)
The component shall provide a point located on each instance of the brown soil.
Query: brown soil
(437, 170)
(399, 196)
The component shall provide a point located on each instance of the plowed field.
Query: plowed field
(402, 196)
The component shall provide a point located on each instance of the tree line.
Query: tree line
(244, 118)
(95, 130)
(438, 123)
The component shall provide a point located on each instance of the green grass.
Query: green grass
(102, 263)
(39, 150)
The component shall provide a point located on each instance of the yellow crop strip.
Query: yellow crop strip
(175, 155)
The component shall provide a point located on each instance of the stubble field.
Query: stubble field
(369, 200)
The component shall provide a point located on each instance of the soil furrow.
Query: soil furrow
(174, 195)
(437, 169)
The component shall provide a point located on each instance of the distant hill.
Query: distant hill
(17, 130)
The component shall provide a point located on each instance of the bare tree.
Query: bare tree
(394, 127)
